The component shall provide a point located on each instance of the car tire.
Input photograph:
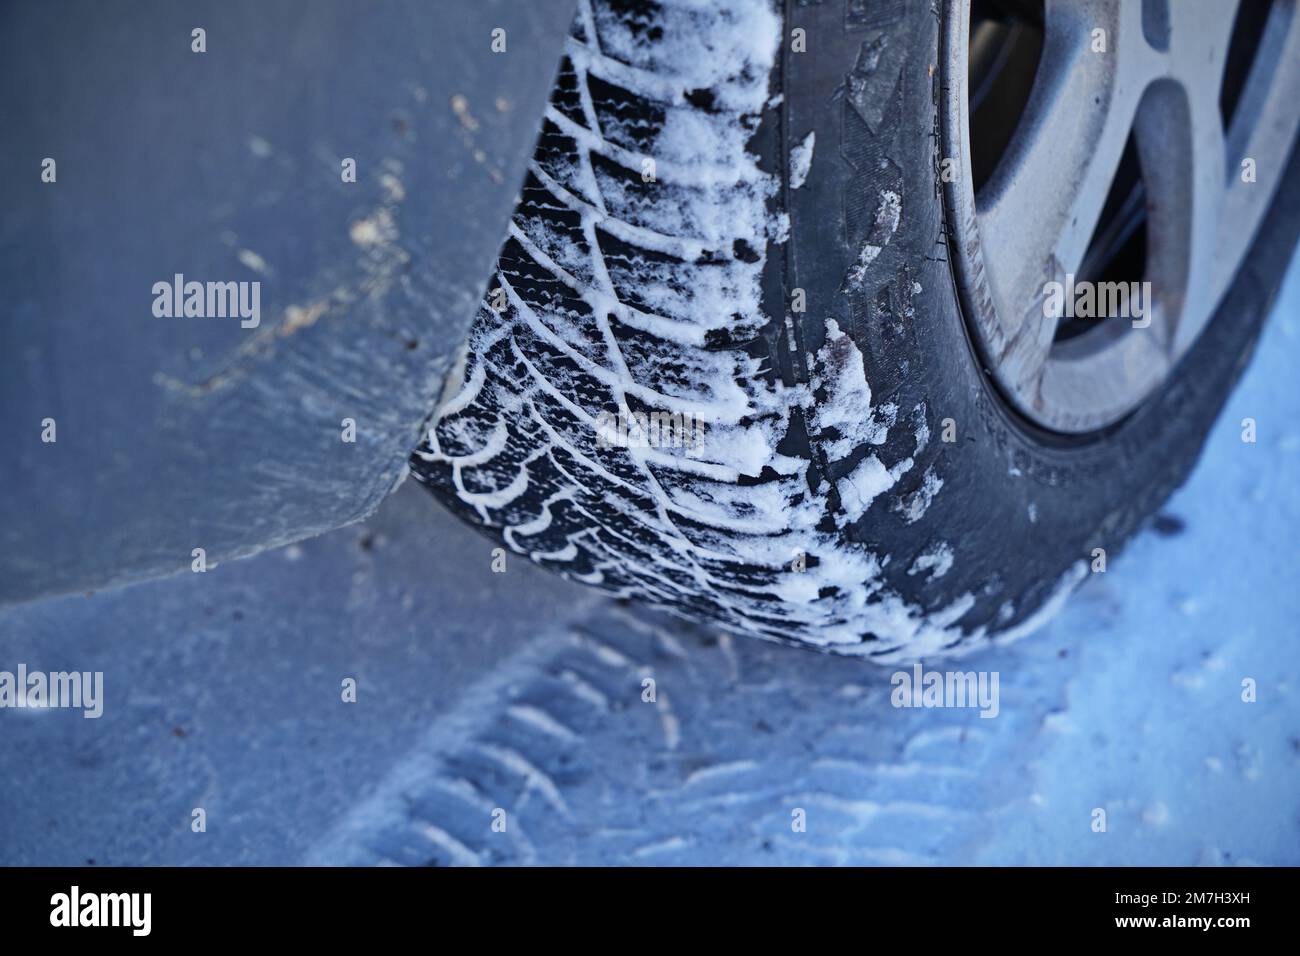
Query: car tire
(740, 218)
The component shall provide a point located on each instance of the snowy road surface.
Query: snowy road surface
(518, 692)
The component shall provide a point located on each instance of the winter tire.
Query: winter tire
(763, 346)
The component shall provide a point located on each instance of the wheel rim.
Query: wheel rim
(1158, 85)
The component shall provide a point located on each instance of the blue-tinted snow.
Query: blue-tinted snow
(517, 691)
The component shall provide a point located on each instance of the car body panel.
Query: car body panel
(174, 434)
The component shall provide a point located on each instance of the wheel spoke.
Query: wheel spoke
(1108, 369)
(1180, 135)
(1039, 210)
(1265, 126)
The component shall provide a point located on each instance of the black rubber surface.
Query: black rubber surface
(1011, 509)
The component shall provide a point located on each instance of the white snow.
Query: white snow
(937, 560)
(913, 507)
(801, 158)
(861, 486)
(888, 214)
(846, 406)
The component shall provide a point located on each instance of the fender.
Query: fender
(359, 162)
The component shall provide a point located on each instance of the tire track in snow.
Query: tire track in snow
(562, 741)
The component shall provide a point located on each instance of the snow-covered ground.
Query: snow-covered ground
(517, 692)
